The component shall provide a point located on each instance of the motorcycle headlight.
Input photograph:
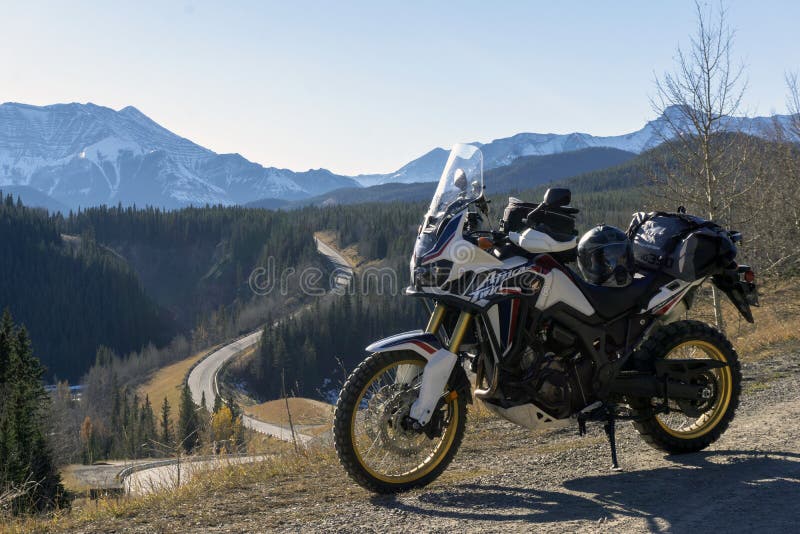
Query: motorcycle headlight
(430, 275)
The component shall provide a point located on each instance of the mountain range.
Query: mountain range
(85, 155)
(75, 155)
(502, 152)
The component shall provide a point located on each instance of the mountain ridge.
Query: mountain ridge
(503, 151)
(523, 173)
(85, 154)
(82, 155)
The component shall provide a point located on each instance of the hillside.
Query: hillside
(523, 173)
(133, 279)
(71, 297)
(195, 260)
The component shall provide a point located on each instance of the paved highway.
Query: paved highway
(203, 377)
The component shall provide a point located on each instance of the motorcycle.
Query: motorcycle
(545, 348)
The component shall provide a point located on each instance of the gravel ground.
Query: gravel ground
(506, 479)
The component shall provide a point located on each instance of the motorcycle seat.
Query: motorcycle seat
(610, 302)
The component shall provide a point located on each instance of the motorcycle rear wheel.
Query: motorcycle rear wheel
(691, 426)
(370, 435)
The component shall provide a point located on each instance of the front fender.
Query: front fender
(426, 345)
(423, 343)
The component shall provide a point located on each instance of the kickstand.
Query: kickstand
(612, 441)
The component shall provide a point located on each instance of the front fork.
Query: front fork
(440, 364)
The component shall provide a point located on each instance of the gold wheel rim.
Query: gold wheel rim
(706, 422)
(431, 461)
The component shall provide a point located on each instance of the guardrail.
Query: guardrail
(129, 470)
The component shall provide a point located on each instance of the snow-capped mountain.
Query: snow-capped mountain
(84, 154)
(500, 152)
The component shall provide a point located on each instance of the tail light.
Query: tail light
(747, 273)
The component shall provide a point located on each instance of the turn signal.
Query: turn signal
(485, 243)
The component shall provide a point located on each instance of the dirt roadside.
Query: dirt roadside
(506, 479)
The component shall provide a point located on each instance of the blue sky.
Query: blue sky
(367, 86)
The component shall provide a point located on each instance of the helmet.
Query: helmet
(605, 256)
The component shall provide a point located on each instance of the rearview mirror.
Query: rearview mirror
(460, 179)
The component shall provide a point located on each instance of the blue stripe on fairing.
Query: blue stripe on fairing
(448, 231)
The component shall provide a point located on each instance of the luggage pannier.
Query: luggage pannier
(683, 246)
(515, 214)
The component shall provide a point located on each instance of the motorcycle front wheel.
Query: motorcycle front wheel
(372, 435)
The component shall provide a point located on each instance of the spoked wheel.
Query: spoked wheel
(691, 426)
(374, 440)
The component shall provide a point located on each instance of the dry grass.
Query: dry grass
(168, 382)
(775, 320)
(71, 482)
(288, 478)
(349, 253)
(304, 412)
(315, 417)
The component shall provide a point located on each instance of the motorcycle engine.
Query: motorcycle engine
(557, 384)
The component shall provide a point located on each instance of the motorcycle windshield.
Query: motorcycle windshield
(461, 181)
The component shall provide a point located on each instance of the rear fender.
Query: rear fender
(742, 293)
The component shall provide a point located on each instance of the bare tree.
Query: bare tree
(705, 166)
(793, 104)
(288, 411)
(782, 222)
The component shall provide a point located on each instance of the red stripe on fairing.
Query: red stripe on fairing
(434, 256)
(424, 346)
(513, 327)
(669, 305)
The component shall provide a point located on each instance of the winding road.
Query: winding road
(203, 377)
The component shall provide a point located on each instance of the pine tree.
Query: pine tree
(233, 406)
(24, 453)
(166, 426)
(6, 334)
(218, 403)
(188, 422)
(148, 422)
